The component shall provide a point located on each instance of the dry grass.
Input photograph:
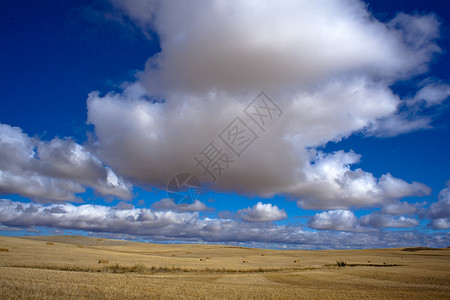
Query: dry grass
(149, 271)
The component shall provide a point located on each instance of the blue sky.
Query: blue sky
(104, 101)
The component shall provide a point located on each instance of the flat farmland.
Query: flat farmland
(71, 267)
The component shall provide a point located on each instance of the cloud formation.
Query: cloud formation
(342, 220)
(386, 221)
(55, 170)
(262, 213)
(332, 184)
(439, 211)
(345, 220)
(169, 204)
(230, 45)
(411, 113)
(329, 67)
(400, 208)
(191, 227)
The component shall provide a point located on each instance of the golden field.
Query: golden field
(68, 267)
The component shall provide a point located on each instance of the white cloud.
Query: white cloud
(398, 123)
(400, 208)
(169, 204)
(329, 67)
(410, 116)
(262, 213)
(439, 211)
(183, 226)
(441, 223)
(386, 221)
(230, 45)
(432, 94)
(56, 170)
(342, 220)
(345, 220)
(145, 146)
(331, 184)
(124, 205)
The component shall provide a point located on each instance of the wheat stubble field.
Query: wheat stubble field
(69, 267)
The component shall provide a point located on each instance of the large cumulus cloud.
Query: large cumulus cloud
(328, 64)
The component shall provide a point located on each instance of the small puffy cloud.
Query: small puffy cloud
(342, 220)
(56, 170)
(441, 208)
(169, 204)
(441, 223)
(345, 220)
(262, 213)
(387, 221)
(400, 208)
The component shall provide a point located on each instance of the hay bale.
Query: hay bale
(103, 261)
(201, 259)
(174, 255)
(50, 243)
(80, 246)
(262, 254)
(188, 252)
(245, 261)
(296, 261)
(208, 257)
(4, 250)
(341, 263)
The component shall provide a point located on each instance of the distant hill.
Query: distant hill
(414, 249)
(79, 240)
